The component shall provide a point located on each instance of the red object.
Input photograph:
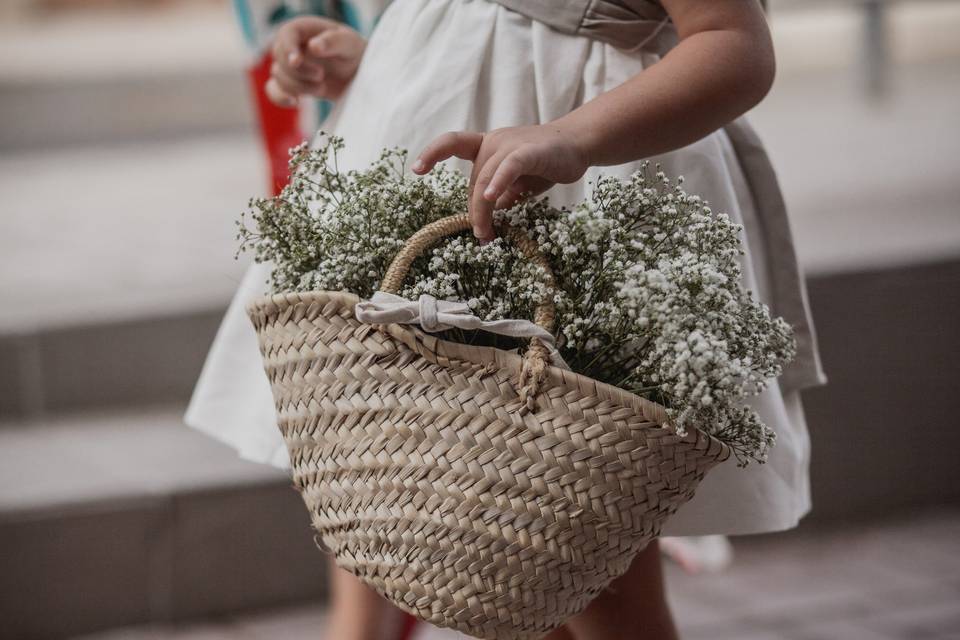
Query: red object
(279, 126)
(408, 627)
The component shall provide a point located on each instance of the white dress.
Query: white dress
(438, 65)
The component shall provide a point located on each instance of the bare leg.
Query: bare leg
(634, 607)
(357, 612)
(560, 633)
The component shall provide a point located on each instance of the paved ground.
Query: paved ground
(897, 580)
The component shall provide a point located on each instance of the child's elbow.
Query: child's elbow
(764, 62)
(765, 74)
(760, 70)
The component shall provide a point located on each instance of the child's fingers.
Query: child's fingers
(512, 195)
(307, 71)
(462, 144)
(289, 41)
(519, 162)
(481, 207)
(484, 173)
(290, 83)
(278, 96)
(336, 43)
(286, 46)
(481, 217)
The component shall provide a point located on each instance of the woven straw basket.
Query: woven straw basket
(472, 487)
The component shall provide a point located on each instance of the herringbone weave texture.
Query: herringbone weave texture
(427, 477)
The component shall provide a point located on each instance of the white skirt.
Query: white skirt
(438, 65)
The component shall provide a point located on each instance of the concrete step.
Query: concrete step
(93, 111)
(125, 518)
(118, 363)
(85, 77)
(884, 429)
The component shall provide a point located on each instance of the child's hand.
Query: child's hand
(313, 56)
(508, 164)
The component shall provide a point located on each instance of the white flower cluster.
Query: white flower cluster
(648, 278)
(514, 286)
(338, 230)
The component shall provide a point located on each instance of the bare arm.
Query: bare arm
(722, 66)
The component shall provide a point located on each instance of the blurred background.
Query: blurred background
(128, 147)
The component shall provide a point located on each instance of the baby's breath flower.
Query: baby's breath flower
(648, 283)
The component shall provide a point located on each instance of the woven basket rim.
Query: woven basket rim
(273, 304)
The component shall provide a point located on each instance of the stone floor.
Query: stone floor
(896, 579)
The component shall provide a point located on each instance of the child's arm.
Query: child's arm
(722, 66)
(313, 56)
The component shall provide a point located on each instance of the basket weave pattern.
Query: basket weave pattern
(427, 479)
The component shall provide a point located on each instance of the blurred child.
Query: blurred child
(535, 96)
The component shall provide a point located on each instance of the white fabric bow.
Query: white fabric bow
(436, 315)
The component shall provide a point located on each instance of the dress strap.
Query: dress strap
(626, 24)
(790, 299)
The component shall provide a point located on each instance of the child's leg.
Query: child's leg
(634, 607)
(560, 633)
(357, 612)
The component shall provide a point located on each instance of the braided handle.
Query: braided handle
(535, 359)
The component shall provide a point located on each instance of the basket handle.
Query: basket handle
(535, 359)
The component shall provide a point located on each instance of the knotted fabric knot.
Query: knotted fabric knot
(430, 311)
(437, 315)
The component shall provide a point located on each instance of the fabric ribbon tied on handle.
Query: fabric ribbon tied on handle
(437, 315)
